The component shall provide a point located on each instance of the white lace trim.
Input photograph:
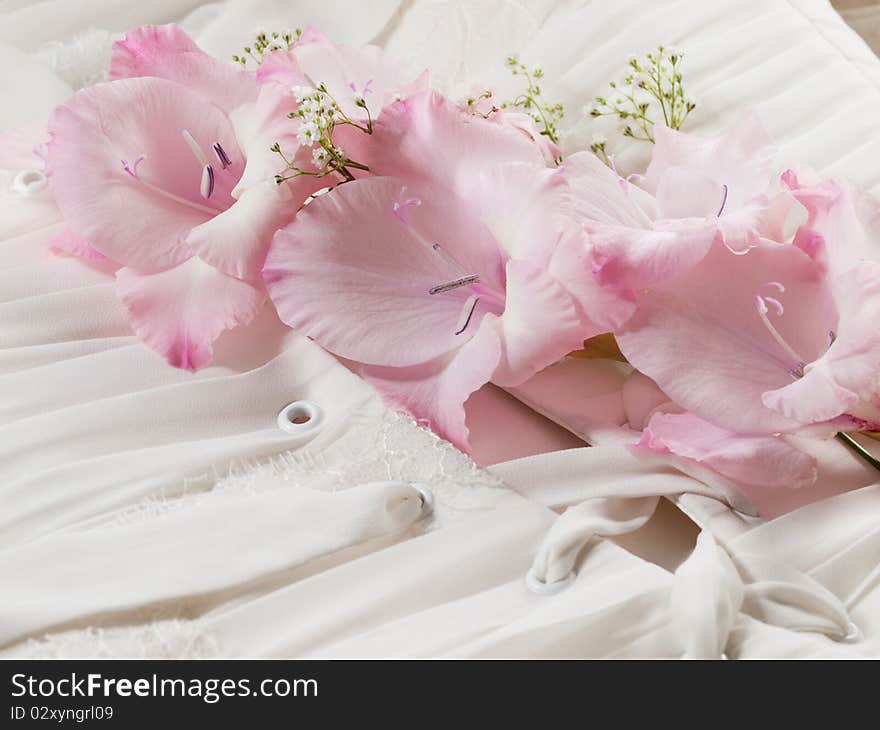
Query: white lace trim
(391, 447)
(82, 61)
(169, 639)
(384, 447)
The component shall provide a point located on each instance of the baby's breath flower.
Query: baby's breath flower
(547, 116)
(301, 93)
(651, 89)
(320, 156)
(265, 43)
(308, 133)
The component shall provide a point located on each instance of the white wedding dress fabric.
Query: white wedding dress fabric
(150, 512)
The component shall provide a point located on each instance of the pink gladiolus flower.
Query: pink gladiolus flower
(438, 275)
(169, 175)
(783, 340)
(842, 236)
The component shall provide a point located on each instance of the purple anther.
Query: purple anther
(776, 304)
(133, 168)
(207, 186)
(469, 306)
(221, 155)
(723, 202)
(399, 208)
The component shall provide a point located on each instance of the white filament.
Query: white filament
(761, 305)
(176, 198)
(195, 148)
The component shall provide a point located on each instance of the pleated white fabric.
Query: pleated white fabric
(152, 512)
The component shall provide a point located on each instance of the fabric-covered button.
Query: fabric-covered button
(853, 635)
(427, 498)
(536, 585)
(300, 417)
(28, 182)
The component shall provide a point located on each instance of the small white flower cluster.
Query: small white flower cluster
(651, 87)
(546, 115)
(317, 112)
(266, 43)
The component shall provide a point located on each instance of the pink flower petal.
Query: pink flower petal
(628, 259)
(166, 51)
(842, 225)
(180, 312)
(428, 137)
(282, 68)
(686, 193)
(355, 275)
(726, 178)
(434, 392)
(236, 241)
(600, 195)
(369, 72)
(67, 242)
(754, 460)
(573, 265)
(741, 158)
(525, 206)
(540, 324)
(641, 398)
(106, 125)
(523, 122)
(626, 249)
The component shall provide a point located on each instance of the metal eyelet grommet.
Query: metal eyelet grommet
(427, 498)
(853, 634)
(300, 417)
(28, 182)
(536, 585)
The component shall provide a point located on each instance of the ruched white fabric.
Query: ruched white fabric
(152, 512)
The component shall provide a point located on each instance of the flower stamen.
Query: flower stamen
(194, 147)
(467, 312)
(399, 207)
(761, 302)
(221, 155)
(454, 284)
(723, 202)
(132, 170)
(207, 185)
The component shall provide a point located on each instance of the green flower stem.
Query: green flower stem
(859, 449)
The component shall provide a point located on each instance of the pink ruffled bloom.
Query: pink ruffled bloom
(780, 341)
(166, 171)
(754, 341)
(442, 272)
(776, 341)
(644, 230)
